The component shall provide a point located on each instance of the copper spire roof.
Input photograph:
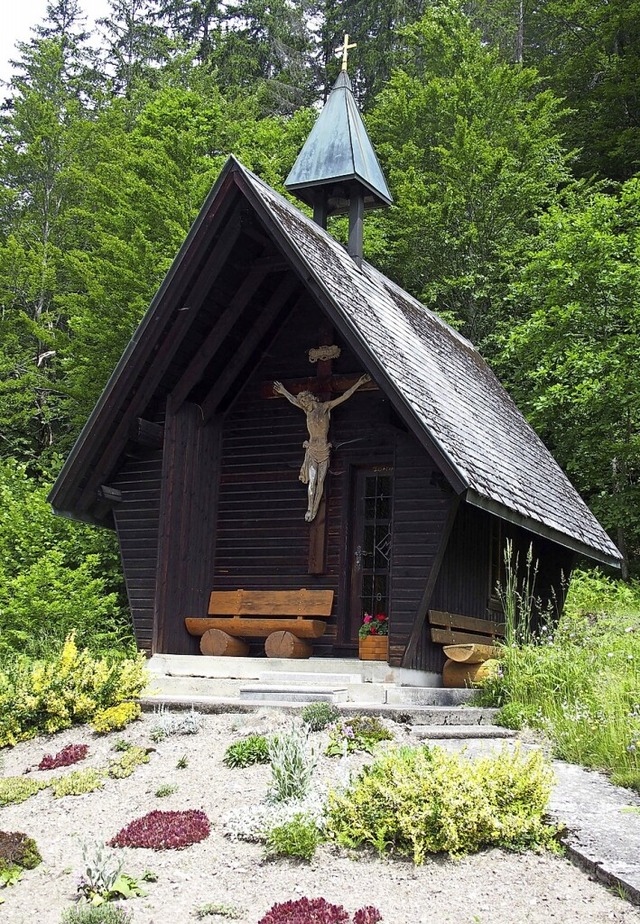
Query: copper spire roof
(338, 152)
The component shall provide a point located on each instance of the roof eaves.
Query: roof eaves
(57, 492)
(547, 532)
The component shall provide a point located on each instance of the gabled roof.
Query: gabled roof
(338, 149)
(436, 379)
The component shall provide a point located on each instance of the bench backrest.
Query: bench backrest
(452, 629)
(271, 602)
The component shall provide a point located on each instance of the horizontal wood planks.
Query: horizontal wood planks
(136, 519)
(466, 623)
(420, 511)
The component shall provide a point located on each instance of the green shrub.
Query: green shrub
(247, 751)
(96, 914)
(115, 717)
(298, 837)
(55, 575)
(318, 715)
(361, 733)
(15, 789)
(125, 766)
(121, 745)
(419, 801)
(166, 789)
(46, 696)
(77, 783)
(293, 762)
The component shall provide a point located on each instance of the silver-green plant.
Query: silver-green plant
(101, 868)
(293, 761)
(172, 723)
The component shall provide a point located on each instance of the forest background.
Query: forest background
(509, 132)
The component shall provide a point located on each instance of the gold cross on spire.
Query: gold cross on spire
(344, 49)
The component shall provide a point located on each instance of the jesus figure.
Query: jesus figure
(317, 447)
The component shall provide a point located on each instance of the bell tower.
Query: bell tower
(337, 171)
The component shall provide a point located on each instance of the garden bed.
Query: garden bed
(492, 887)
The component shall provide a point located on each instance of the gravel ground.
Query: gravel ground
(489, 888)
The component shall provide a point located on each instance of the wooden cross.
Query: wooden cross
(344, 50)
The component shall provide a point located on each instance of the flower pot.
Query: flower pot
(374, 648)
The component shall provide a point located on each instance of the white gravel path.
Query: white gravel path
(489, 888)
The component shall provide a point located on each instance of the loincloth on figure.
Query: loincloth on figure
(314, 455)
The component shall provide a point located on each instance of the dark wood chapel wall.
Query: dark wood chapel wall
(262, 538)
(464, 583)
(186, 529)
(136, 519)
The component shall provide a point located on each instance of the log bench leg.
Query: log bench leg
(217, 642)
(283, 644)
(457, 676)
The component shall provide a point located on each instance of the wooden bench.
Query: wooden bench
(467, 643)
(285, 618)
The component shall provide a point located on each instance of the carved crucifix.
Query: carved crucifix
(324, 388)
(317, 447)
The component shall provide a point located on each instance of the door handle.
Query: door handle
(358, 558)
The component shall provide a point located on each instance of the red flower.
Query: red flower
(374, 631)
(367, 618)
(381, 617)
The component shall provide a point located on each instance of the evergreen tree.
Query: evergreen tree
(135, 44)
(42, 134)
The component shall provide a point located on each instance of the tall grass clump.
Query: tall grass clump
(578, 679)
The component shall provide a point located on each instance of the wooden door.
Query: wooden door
(370, 546)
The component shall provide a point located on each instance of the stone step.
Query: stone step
(455, 715)
(253, 669)
(419, 716)
(266, 693)
(429, 696)
(456, 732)
(295, 678)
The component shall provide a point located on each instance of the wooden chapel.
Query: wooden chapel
(194, 459)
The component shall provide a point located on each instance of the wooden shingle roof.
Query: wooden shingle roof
(456, 400)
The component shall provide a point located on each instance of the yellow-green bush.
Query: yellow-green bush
(115, 717)
(125, 766)
(46, 696)
(418, 801)
(14, 789)
(77, 783)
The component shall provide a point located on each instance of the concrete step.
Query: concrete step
(456, 732)
(265, 693)
(321, 678)
(254, 669)
(429, 696)
(455, 715)
(434, 716)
